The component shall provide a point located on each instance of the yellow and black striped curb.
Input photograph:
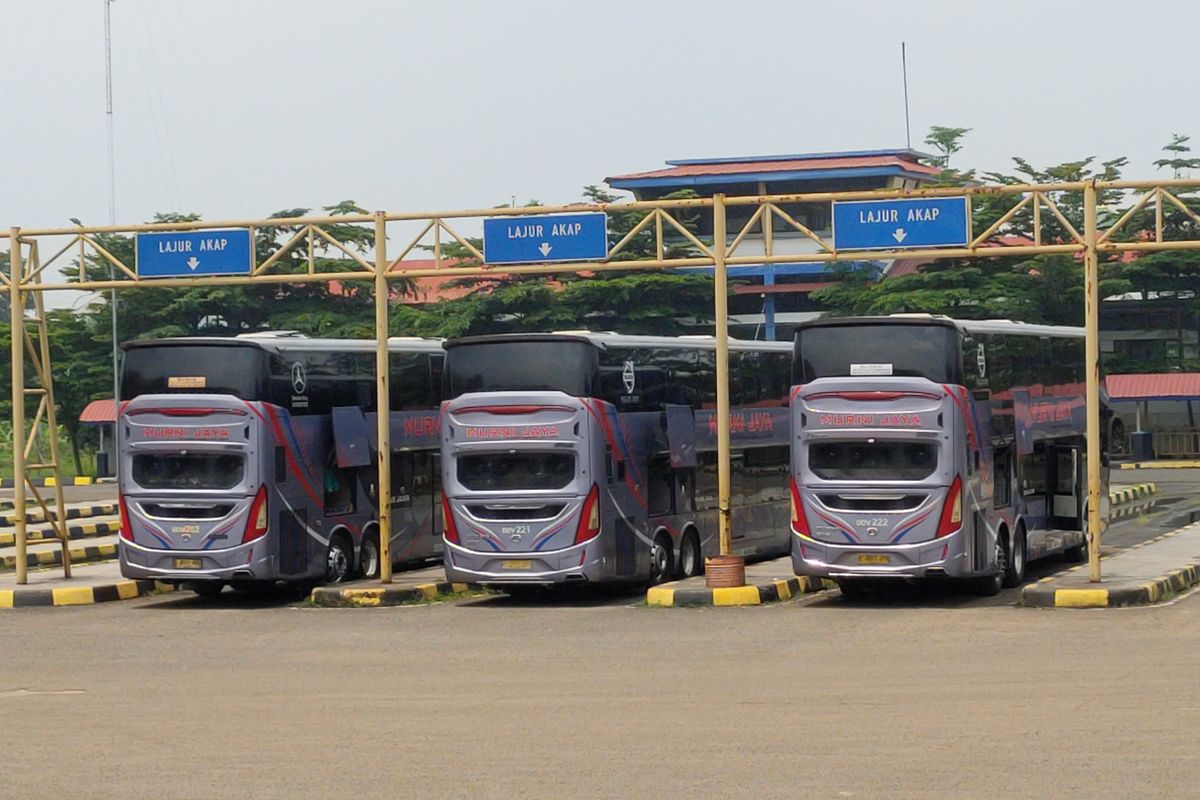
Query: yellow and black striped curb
(38, 514)
(85, 531)
(753, 594)
(1143, 594)
(374, 597)
(1129, 510)
(1127, 494)
(82, 480)
(80, 595)
(53, 558)
(1180, 464)
(1044, 594)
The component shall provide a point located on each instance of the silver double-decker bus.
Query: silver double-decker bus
(928, 447)
(591, 457)
(249, 460)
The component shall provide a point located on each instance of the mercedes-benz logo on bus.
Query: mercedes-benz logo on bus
(299, 379)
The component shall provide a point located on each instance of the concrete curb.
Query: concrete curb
(1130, 493)
(756, 592)
(37, 514)
(1179, 464)
(80, 595)
(82, 480)
(53, 558)
(84, 531)
(1044, 594)
(330, 597)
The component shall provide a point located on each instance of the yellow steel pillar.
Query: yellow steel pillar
(383, 400)
(17, 331)
(1091, 281)
(721, 308)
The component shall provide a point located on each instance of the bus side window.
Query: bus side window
(706, 481)
(660, 499)
(686, 481)
(1002, 477)
(280, 465)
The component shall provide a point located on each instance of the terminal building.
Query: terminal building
(770, 299)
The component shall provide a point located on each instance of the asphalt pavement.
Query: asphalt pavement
(178, 698)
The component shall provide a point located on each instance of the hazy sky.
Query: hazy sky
(239, 108)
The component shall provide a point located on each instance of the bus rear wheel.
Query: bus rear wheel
(338, 560)
(690, 563)
(368, 556)
(660, 560)
(1014, 562)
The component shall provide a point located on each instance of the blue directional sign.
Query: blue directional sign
(545, 238)
(900, 224)
(180, 255)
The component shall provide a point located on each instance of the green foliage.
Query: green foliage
(1178, 160)
(628, 302)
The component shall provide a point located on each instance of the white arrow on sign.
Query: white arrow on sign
(545, 249)
(192, 263)
(899, 235)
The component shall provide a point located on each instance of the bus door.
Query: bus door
(1064, 480)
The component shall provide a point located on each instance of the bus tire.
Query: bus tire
(368, 556)
(339, 559)
(690, 562)
(660, 559)
(208, 589)
(1015, 558)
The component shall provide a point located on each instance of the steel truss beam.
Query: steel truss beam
(675, 245)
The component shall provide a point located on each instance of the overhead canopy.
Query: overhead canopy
(1154, 386)
(99, 412)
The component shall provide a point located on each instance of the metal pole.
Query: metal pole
(383, 404)
(112, 205)
(17, 332)
(721, 307)
(1091, 280)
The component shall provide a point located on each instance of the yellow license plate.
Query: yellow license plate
(188, 563)
(875, 559)
(517, 564)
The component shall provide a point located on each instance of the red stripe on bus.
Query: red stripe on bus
(291, 459)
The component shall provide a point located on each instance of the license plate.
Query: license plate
(875, 559)
(513, 564)
(188, 563)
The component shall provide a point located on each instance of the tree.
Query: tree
(629, 302)
(1178, 161)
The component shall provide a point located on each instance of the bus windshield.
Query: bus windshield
(564, 366)
(878, 349)
(195, 369)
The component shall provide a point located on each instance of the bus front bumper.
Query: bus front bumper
(945, 557)
(244, 562)
(570, 565)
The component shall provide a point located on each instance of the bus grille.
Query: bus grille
(840, 502)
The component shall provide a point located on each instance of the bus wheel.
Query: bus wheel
(338, 560)
(660, 559)
(368, 556)
(208, 589)
(690, 563)
(1014, 563)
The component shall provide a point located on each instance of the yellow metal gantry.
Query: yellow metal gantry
(662, 217)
